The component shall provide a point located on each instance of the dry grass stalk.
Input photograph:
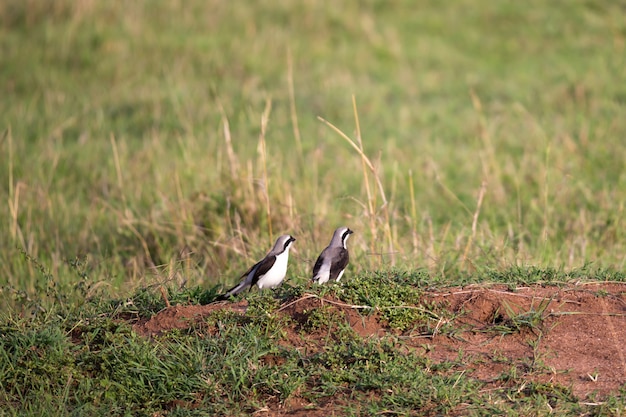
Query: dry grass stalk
(263, 151)
(292, 107)
(371, 197)
(479, 203)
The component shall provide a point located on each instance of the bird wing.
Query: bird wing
(262, 267)
(319, 263)
(340, 259)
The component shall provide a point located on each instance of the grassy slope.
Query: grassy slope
(115, 172)
(114, 147)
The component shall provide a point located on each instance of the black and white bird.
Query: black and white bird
(269, 272)
(333, 260)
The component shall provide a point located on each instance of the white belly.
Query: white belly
(323, 275)
(276, 274)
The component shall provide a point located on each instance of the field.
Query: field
(153, 150)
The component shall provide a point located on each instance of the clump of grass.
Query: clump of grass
(367, 368)
(150, 300)
(515, 276)
(400, 305)
(515, 321)
(324, 317)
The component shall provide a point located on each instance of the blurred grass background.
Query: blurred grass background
(166, 140)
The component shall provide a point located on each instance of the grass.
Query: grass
(90, 361)
(443, 145)
(165, 145)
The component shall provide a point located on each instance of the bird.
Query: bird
(333, 260)
(269, 272)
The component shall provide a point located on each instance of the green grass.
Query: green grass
(169, 143)
(89, 361)
(115, 117)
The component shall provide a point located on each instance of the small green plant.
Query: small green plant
(324, 317)
(602, 293)
(398, 303)
(517, 322)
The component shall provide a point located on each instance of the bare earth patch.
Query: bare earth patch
(572, 336)
(581, 340)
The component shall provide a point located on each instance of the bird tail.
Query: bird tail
(319, 279)
(234, 291)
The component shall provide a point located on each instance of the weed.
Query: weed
(514, 321)
(324, 317)
(601, 293)
(398, 303)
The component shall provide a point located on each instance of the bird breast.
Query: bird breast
(277, 272)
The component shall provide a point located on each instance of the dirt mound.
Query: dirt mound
(183, 317)
(574, 336)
